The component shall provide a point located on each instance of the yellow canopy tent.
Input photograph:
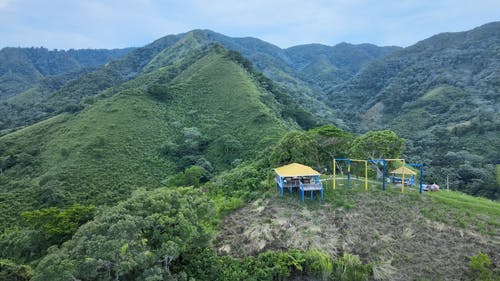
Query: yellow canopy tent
(300, 176)
(295, 170)
(407, 171)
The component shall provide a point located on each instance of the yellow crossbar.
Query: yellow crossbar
(349, 170)
(366, 172)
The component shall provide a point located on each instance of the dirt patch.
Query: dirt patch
(386, 230)
(273, 224)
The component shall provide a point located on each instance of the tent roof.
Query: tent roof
(407, 171)
(295, 170)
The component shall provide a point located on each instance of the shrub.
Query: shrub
(480, 268)
(160, 92)
(14, 272)
(349, 267)
(318, 263)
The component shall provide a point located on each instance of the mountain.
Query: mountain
(28, 76)
(21, 68)
(205, 109)
(39, 95)
(306, 71)
(441, 94)
(328, 66)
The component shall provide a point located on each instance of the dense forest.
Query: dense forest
(156, 163)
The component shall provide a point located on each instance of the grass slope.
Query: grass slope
(103, 153)
(403, 236)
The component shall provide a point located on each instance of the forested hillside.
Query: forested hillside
(205, 110)
(21, 68)
(37, 80)
(441, 94)
(306, 71)
(28, 77)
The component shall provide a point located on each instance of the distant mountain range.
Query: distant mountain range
(21, 68)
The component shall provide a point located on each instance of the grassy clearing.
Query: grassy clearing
(464, 211)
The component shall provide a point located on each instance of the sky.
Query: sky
(65, 24)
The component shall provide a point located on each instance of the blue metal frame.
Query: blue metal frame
(348, 170)
(280, 186)
(421, 166)
(384, 171)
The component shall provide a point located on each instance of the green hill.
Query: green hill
(65, 92)
(29, 76)
(213, 114)
(306, 72)
(327, 66)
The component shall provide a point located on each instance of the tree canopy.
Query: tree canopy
(377, 145)
(138, 239)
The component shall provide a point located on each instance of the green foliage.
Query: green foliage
(14, 272)
(42, 229)
(160, 92)
(377, 145)
(498, 173)
(316, 147)
(480, 268)
(193, 174)
(331, 142)
(289, 107)
(238, 58)
(226, 204)
(273, 265)
(318, 263)
(59, 224)
(295, 147)
(266, 266)
(140, 237)
(349, 267)
(227, 148)
(246, 182)
(190, 177)
(22, 244)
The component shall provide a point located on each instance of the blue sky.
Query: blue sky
(65, 24)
